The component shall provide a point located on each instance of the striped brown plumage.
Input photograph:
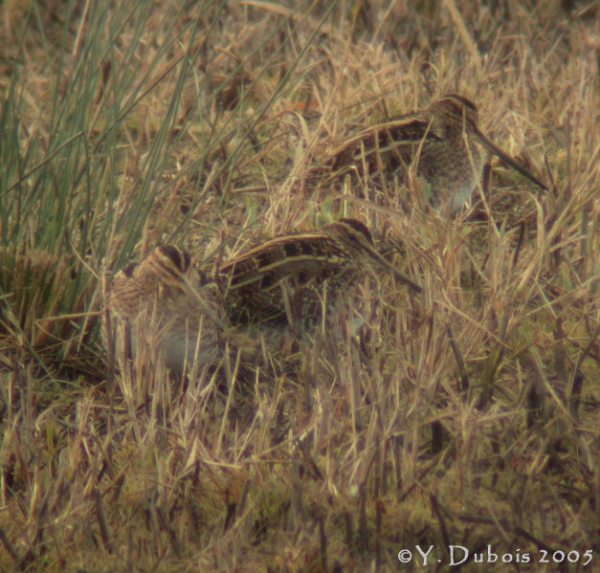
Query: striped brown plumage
(441, 141)
(167, 309)
(295, 282)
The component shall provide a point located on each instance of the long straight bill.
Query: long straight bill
(395, 272)
(508, 160)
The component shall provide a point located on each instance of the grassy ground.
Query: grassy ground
(470, 415)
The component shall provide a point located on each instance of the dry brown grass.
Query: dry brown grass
(464, 416)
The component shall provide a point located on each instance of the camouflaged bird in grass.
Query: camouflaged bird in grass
(441, 142)
(294, 283)
(167, 309)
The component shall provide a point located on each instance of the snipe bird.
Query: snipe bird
(442, 141)
(290, 282)
(166, 308)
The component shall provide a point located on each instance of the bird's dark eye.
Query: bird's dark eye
(358, 228)
(180, 258)
(129, 269)
(355, 238)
